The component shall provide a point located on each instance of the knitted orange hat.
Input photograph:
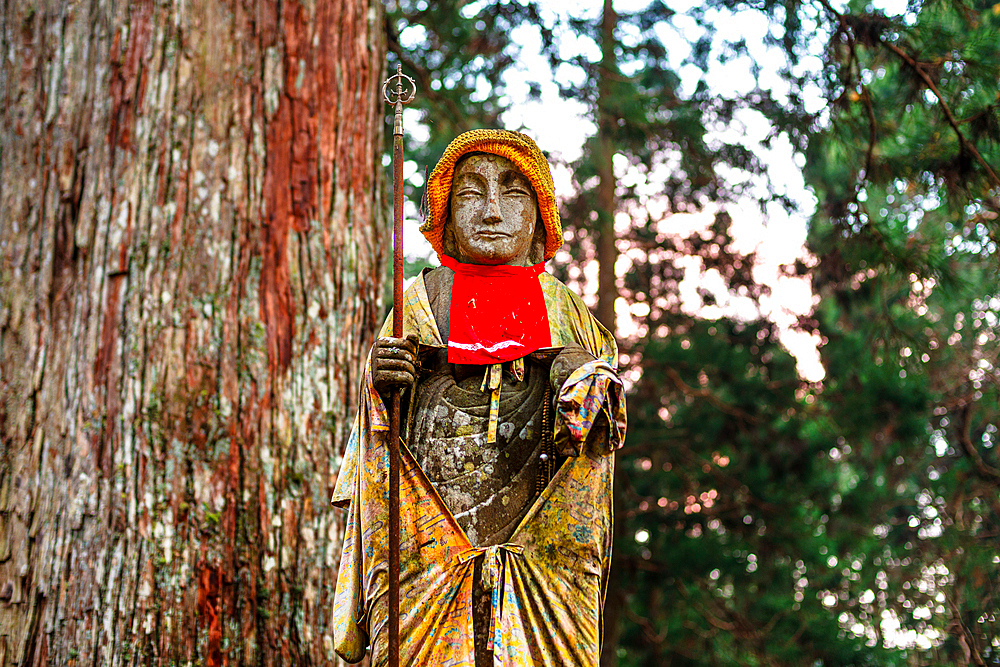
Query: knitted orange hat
(516, 147)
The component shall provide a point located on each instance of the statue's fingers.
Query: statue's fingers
(388, 343)
(392, 353)
(394, 379)
(398, 366)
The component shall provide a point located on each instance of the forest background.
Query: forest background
(194, 259)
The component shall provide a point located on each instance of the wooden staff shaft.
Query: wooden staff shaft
(397, 332)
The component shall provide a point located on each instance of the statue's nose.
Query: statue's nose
(492, 213)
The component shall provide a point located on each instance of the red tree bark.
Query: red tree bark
(192, 258)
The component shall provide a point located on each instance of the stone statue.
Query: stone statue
(513, 411)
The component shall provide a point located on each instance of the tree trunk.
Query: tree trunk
(193, 259)
(607, 250)
(607, 291)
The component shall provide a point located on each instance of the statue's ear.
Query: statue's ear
(448, 238)
(537, 255)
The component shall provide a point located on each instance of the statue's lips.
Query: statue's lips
(493, 235)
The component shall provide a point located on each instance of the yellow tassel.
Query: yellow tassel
(491, 382)
(517, 367)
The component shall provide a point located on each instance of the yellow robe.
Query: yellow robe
(548, 581)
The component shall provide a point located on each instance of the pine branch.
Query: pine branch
(968, 145)
(985, 470)
(709, 396)
(916, 66)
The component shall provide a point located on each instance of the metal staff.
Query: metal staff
(397, 99)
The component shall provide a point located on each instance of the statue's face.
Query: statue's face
(493, 212)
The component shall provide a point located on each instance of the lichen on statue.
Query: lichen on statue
(514, 409)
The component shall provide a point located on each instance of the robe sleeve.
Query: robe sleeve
(350, 638)
(350, 599)
(372, 415)
(352, 596)
(592, 397)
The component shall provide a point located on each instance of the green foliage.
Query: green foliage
(872, 497)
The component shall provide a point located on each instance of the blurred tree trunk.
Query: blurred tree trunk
(607, 290)
(192, 266)
(607, 250)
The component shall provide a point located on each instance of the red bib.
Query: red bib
(497, 313)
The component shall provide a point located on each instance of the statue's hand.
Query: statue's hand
(394, 363)
(567, 361)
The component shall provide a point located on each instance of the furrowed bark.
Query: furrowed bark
(192, 258)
